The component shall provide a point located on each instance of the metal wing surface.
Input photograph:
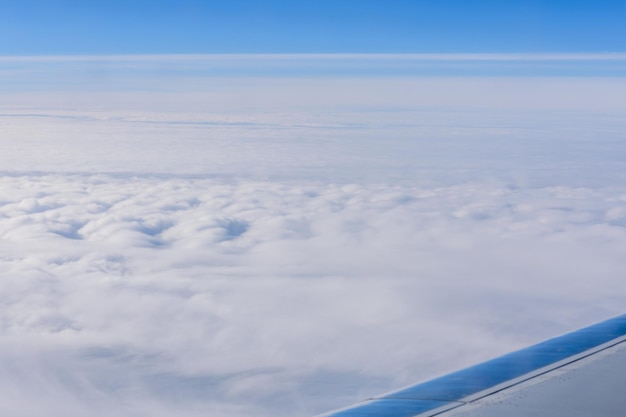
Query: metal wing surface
(579, 374)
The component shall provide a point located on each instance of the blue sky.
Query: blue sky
(43, 27)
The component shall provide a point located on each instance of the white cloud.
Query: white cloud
(146, 296)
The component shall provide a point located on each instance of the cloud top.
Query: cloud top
(199, 296)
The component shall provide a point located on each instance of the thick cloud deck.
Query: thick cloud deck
(178, 239)
(159, 296)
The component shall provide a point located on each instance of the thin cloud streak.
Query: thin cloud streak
(608, 56)
(136, 69)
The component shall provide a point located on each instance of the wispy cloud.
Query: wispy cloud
(607, 56)
(155, 71)
(562, 141)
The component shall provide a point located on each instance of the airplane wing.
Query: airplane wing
(579, 374)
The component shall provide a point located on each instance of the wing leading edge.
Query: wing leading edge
(582, 373)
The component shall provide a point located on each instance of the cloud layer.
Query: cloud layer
(151, 296)
(334, 144)
(175, 242)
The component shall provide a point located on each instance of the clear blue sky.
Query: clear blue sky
(52, 27)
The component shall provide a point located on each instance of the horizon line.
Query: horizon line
(505, 56)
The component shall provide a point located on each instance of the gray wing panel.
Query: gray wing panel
(592, 387)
